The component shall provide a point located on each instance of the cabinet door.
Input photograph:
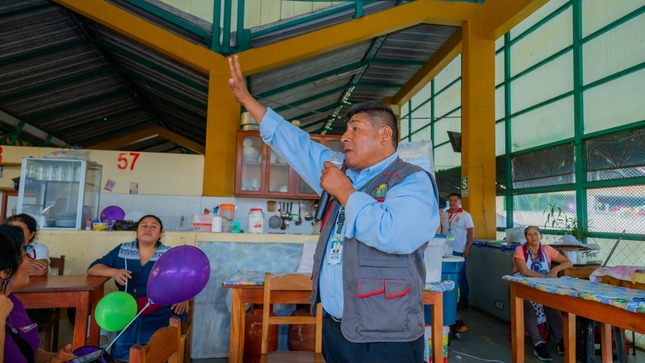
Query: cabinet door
(250, 173)
(278, 175)
(303, 190)
(260, 172)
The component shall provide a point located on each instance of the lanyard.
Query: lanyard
(452, 216)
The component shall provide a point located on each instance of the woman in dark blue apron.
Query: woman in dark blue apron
(130, 264)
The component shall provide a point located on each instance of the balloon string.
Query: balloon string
(130, 323)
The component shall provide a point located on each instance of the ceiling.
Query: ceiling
(67, 81)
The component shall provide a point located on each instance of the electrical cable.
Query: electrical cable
(471, 356)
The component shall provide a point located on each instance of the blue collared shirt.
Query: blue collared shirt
(406, 219)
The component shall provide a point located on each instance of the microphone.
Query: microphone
(325, 197)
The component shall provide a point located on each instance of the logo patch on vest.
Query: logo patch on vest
(380, 190)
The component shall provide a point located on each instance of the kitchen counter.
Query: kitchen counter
(82, 247)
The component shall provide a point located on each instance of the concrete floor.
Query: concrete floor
(487, 339)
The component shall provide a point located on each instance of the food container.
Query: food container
(227, 212)
(202, 223)
(256, 221)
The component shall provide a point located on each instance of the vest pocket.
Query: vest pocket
(383, 305)
(371, 257)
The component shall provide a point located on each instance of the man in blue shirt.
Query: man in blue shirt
(368, 269)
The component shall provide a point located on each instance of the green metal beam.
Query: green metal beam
(215, 30)
(317, 112)
(314, 97)
(332, 72)
(172, 19)
(580, 165)
(508, 132)
(301, 20)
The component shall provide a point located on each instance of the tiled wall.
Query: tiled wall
(171, 209)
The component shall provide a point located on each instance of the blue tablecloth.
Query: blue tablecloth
(620, 297)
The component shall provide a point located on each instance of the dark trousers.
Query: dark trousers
(463, 281)
(337, 349)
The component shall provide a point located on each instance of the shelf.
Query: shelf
(10, 164)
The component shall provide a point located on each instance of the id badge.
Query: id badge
(334, 257)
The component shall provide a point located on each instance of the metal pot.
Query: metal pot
(578, 257)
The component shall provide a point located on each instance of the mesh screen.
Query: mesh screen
(552, 166)
(532, 209)
(616, 156)
(617, 209)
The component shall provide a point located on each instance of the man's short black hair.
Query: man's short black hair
(379, 115)
(454, 195)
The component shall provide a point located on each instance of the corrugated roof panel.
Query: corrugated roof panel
(65, 94)
(47, 27)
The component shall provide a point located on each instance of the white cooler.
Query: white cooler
(432, 258)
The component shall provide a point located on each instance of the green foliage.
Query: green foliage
(557, 219)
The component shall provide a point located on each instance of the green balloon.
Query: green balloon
(115, 311)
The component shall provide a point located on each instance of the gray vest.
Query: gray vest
(383, 293)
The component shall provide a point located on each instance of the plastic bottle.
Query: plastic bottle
(256, 221)
(88, 224)
(216, 225)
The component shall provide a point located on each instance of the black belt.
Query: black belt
(335, 319)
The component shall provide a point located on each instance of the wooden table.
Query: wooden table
(81, 292)
(253, 294)
(573, 302)
(579, 272)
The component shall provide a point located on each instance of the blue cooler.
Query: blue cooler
(450, 267)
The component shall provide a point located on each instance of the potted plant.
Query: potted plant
(557, 219)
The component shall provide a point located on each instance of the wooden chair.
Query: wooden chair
(50, 327)
(187, 333)
(163, 345)
(289, 282)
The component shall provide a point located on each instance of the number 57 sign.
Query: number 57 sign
(127, 160)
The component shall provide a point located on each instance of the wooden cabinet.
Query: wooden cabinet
(9, 202)
(260, 172)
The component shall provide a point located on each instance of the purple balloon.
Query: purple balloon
(178, 275)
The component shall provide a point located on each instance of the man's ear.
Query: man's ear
(386, 134)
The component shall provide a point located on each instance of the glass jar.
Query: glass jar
(227, 212)
(256, 221)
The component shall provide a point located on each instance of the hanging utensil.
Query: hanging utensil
(299, 220)
(308, 216)
(289, 214)
(284, 215)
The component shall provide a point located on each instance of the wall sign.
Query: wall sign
(464, 186)
(126, 160)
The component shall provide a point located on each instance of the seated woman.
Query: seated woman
(20, 335)
(533, 259)
(130, 264)
(38, 266)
